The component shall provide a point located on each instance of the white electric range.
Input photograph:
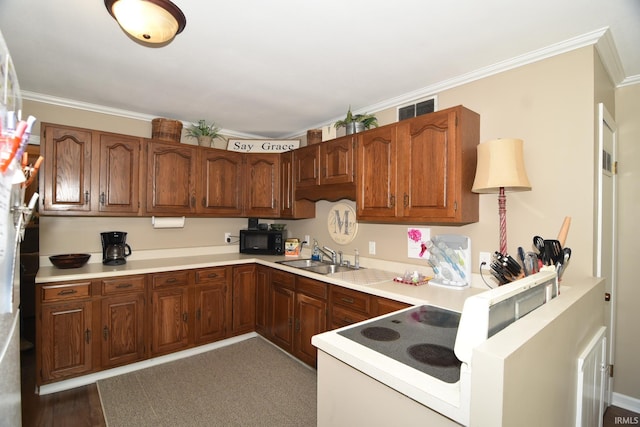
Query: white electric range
(425, 352)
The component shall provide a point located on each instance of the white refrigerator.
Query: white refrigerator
(12, 217)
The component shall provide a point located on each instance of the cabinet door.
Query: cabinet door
(171, 172)
(66, 340)
(282, 316)
(263, 279)
(428, 154)
(244, 299)
(261, 189)
(170, 317)
(119, 190)
(376, 183)
(65, 184)
(310, 320)
(380, 306)
(337, 160)
(306, 162)
(289, 207)
(210, 312)
(221, 183)
(122, 329)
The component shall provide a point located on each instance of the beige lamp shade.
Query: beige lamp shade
(500, 164)
(151, 21)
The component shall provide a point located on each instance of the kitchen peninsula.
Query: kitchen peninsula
(526, 373)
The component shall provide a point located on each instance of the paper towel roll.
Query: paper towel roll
(167, 222)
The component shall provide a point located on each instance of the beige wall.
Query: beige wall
(627, 350)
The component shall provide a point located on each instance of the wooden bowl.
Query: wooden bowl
(69, 260)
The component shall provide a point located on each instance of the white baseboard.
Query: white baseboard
(92, 378)
(625, 402)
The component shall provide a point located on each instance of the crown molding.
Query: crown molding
(574, 43)
(70, 103)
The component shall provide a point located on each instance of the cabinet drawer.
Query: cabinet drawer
(284, 279)
(353, 300)
(122, 284)
(66, 291)
(341, 317)
(212, 275)
(311, 287)
(174, 278)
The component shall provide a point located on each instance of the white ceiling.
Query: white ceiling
(276, 68)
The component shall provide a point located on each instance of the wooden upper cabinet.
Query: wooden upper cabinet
(220, 183)
(119, 186)
(306, 162)
(262, 174)
(325, 171)
(437, 152)
(171, 172)
(420, 170)
(376, 183)
(65, 181)
(290, 207)
(337, 161)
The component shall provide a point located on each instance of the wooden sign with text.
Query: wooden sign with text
(262, 145)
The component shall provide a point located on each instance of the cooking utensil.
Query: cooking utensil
(538, 243)
(553, 252)
(524, 265)
(564, 230)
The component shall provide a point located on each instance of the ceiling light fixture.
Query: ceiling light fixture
(150, 21)
(500, 168)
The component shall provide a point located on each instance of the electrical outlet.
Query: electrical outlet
(486, 258)
(227, 237)
(307, 239)
(372, 248)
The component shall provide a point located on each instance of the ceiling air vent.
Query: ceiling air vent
(418, 109)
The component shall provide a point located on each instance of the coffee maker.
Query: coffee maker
(114, 249)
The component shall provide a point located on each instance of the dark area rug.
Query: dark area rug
(250, 383)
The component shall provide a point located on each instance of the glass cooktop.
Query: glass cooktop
(422, 337)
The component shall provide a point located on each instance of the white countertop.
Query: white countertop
(379, 273)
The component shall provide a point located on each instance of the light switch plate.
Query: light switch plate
(372, 248)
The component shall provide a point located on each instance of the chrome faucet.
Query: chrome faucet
(327, 252)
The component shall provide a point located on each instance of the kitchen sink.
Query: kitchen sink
(316, 266)
(302, 263)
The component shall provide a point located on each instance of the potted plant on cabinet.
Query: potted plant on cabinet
(204, 133)
(354, 123)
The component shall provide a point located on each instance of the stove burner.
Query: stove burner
(435, 316)
(378, 333)
(434, 355)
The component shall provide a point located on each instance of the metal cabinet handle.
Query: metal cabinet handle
(198, 314)
(406, 200)
(297, 324)
(124, 285)
(105, 333)
(87, 197)
(172, 280)
(347, 300)
(185, 317)
(67, 292)
(87, 336)
(392, 200)
(102, 198)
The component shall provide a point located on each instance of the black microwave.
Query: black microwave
(261, 242)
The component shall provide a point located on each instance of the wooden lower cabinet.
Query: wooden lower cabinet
(66, 340)
(348, 306)
(243, 313)
(87, 326)
(292, 309)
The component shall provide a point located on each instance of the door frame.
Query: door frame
(607, 230)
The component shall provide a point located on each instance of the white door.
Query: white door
(606, 228)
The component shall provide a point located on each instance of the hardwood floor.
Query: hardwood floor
(81, 406)
(72, 408)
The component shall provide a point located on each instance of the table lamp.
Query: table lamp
(500, 168)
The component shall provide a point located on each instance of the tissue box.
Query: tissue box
(292, 247)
